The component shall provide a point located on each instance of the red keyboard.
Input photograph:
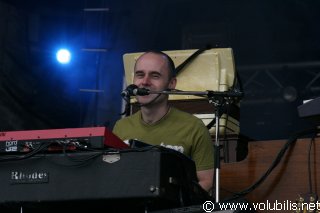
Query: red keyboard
(97, 137)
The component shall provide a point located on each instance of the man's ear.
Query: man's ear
(172, 83)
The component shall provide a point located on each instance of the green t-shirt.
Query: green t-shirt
(177, 130)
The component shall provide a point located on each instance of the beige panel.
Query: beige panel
(211, 70)
(227, 124)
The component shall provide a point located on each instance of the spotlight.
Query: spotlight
(290, 94)
(63, 56)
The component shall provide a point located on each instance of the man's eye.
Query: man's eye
(139, 75)
(155, 76)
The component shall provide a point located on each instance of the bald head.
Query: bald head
(169, 64)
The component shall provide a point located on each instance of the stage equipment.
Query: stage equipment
(55, 139)
(310, 110)
(287, 184)
(151, 177)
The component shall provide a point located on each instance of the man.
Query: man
(159, 124)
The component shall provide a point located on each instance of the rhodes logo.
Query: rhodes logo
(18, 177)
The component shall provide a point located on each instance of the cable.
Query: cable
(309, 164)
(276, 161)
(191, 58)
(81, 160)
(127, 106)
(40, 148)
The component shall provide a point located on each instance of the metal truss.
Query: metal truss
(280, 83)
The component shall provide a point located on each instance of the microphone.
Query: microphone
(141, 92)
(133, 90)
(129, 90)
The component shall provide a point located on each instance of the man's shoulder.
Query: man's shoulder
(182, 115)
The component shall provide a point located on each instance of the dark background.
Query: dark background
(276, 49)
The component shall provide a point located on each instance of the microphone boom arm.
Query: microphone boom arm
(209, 93)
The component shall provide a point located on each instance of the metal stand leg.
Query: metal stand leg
(217, 155)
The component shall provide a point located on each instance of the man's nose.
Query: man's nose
(146, 81)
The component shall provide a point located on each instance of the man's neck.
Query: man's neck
(152, 114)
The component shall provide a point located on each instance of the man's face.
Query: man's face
(152, 72)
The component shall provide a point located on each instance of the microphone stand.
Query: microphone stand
(217, 99)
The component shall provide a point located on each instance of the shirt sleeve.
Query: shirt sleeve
(203, 153)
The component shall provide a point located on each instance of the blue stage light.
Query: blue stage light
(63, 56)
